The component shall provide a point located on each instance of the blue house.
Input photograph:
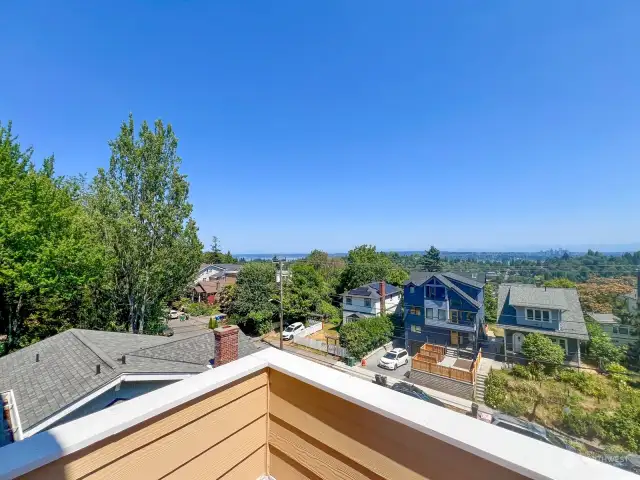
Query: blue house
(552, 312)
(443, 308)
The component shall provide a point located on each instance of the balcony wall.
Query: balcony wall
(220, 435)
(314, 434)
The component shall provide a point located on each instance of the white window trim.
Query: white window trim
(416, 329)
(429, 289)
(367, 300)
(534, 310)
(556, 341)
(348, 300)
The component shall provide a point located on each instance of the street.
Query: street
(372, 363)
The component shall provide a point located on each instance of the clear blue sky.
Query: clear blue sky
(328, 124)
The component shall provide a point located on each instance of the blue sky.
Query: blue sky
(328, 124)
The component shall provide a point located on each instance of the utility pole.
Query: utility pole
(281, 312)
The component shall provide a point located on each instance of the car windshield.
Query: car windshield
(290, 328)
(390, 355)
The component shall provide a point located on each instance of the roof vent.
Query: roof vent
(37, 357)
(124, 359)
(98, 369)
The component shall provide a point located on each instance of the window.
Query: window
(431, 292)
(442, 314)
(471, 317)
(623, 330)
(535, 315)
(454, 316)
(348, 300)
(416, 329)
(367, 302)
(415, 311)
(412, 289)
(560, 341)
(429, 312)
(404, 354)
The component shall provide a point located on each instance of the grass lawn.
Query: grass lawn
(497, 331)
(328, 330)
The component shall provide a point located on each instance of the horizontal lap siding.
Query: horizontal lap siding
(211, 437)
(316, 435)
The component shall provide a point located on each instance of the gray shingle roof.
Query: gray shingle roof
(604, 317)
(372, 290)
(66, 371)
(572, 324)
(418, 278)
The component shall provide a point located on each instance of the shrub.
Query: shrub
(198, 309)
(360, 337)
(601, 348)
(589, 384)
(522, 372)
(542, 353)
(495, 388)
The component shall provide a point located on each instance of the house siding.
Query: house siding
(392, 305)
(572, 344)
(434, 330)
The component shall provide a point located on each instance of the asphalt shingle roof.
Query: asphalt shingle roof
(572, 324)
(419, 278)
(372, 290)
(66, 370)
(604, 317)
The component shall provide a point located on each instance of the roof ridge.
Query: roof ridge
(171, 342)
(125, 371)
(94, 348)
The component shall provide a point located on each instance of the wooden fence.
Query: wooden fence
(424, 362)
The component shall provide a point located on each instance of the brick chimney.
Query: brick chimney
(383, 300)
(226, 344)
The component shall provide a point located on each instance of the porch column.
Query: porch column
(505, 345)
(578, 353)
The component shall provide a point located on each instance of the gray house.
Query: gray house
(612, 326)
(553, 312)
(78, 372)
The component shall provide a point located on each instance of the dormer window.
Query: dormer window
(431, 292)
(535, 315)
(412, 289)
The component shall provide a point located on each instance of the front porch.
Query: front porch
(513, 340)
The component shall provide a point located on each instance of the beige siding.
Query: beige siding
(313, 434)
(221, 435)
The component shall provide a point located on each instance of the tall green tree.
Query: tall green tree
(365, 264)
(50, 260)
(255, 291)
(305, 293)
(215, 255)
(490, 304)
(431, 261)
(143, 216)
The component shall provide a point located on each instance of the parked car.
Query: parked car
(173, 314)
(415, 392)
(530, 429)
(291, 330)
(394, 358)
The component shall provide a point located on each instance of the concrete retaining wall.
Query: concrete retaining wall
(447, 385)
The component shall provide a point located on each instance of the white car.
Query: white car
(291, 330)
(394, 358)
(173, 314)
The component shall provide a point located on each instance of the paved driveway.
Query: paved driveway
(372, 363)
